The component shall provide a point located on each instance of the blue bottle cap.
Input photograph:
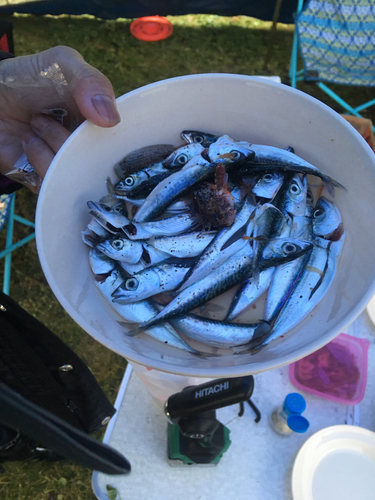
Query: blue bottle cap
(298, 423)
(294, 404)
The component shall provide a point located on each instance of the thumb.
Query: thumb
(94, 96)
(91, 90)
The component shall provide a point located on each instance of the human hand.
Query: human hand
(32, 88)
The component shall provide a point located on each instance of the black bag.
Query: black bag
(46, 387)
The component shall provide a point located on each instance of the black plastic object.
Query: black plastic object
(195, 436)
(52, 432)
(210, 396)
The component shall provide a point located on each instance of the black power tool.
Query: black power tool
(195, 436)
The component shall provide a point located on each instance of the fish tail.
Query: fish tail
(330, 185)
(135, 331)
(261, 334)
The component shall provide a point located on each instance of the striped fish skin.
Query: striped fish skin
(230, 273)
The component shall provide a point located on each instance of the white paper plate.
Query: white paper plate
(371, 309)
(336, 463)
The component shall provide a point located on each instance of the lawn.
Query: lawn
(199, 44)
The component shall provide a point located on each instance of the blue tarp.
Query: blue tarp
(113, 9)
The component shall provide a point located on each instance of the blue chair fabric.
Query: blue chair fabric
(336, 41)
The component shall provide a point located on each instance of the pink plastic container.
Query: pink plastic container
(337, 371)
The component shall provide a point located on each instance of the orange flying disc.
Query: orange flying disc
(151, 28)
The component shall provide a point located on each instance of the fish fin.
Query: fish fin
(125, 324)
(261, 333)
(109, 185)
(330, 185)
(135, 331)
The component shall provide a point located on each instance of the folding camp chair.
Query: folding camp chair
(7, 219)
(336, 41)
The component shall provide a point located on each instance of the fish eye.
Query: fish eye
(198, 139)
(295, 189)
(318, 213)
(267, 177)
(129, 181)
(309, 195)
(131, 284)
(118, 244)
(289, 248)
(182, 159)
(236, 154)
(106, 208)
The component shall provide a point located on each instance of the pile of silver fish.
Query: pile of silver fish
(184, 225)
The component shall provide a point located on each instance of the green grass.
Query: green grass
(199, 44)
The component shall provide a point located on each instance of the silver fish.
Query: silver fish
(94, 233)
(135, 312)
(225, 145)
(226, 276)
(100, 263)
(312, 285)
(115, 216)
(131, 269)
(248, 293)
(142, 158)
(291, 199)
(176, 208)
(268, 185)
(180, 182)
(151, 256)
(267, 157)
(121, 249)
(197, 137)
(171, 226)
(314, 277)
(326, 219)
(182, 156)
(151, 281)
(285, 275)
(135, 179)
(213, 332)
(185, 245)
(215, 253)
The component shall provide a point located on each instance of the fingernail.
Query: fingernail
(106, 109)
(28, 137)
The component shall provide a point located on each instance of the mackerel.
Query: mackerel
(229, 274)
